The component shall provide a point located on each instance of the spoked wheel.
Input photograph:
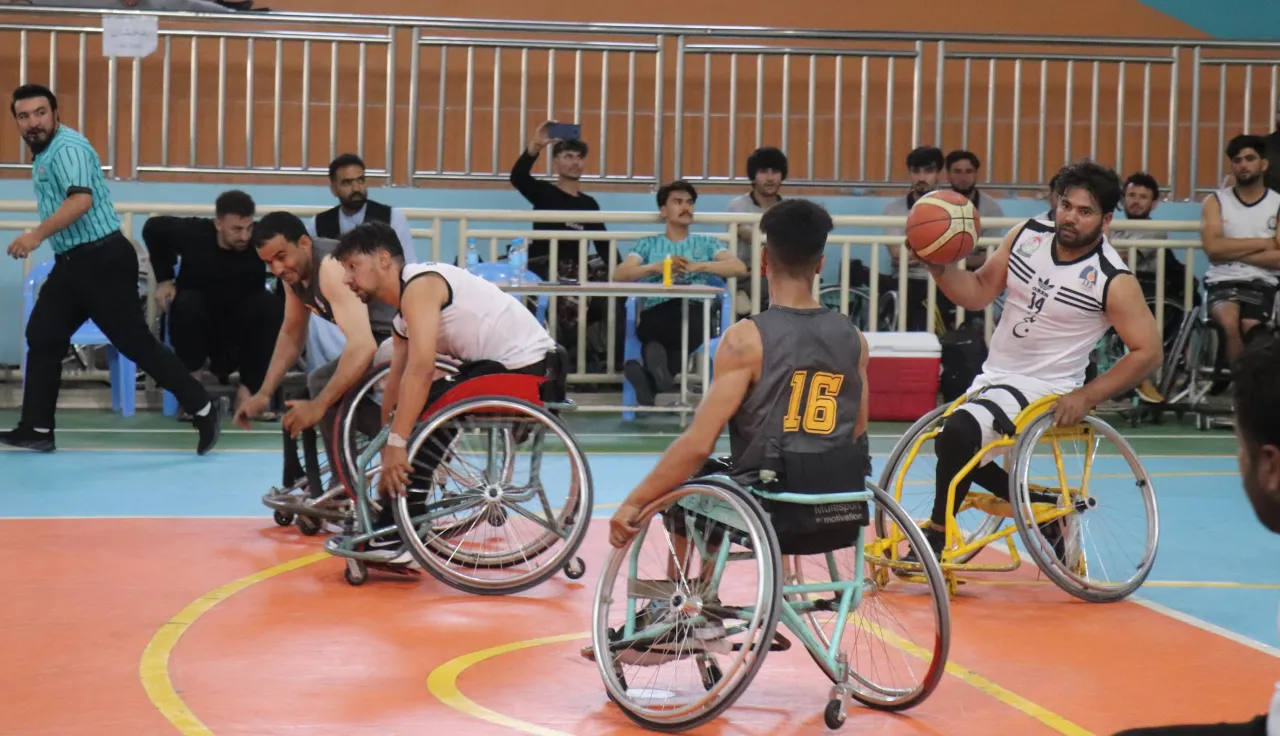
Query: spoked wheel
(909, 478)
(894, 644)
(508, 499)
(1098, 540)
(679, 629)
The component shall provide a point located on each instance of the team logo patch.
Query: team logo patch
(1271, 223)
(1030, 245)
(1089, 277)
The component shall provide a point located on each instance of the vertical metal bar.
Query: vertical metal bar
(1093, 111)
(888, 121)
(22, 57)
(524, 96)
(467, 116)
(1044, 118)
(837, 113)
(991, 119)
(53, 60)
(193, 92)
(1193, 161)
(733, 114)
(706, 115)
(1222, 114)
(677, 142)
(306, 105)
(862, 119)
(497, 110)
(551, 109)
(660, 81)
(813, 114)
(389, 152)
(939, 114)
(1173, 121)
(964, 109)
(135, 117)
(917, 92)
(1016, 163)
(759, 100)
(577, 94)
(80, 80)
(277, 106)
(333, 99)
(1271, 110)
(362, 95)
(631, 113)
(1146, 116)
(604, 115)
(1245, 124)
(248, 105)
(1120, 81)
(222, 101)
(113, 111)
(786, 101)
(1069, 119)
(440, 108)
(166, 94)
(415, 61)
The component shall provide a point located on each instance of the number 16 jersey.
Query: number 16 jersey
(1054, 310)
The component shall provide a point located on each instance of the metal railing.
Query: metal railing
(856, 236)
(440, 99)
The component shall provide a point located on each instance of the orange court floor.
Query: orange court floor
(147, 591)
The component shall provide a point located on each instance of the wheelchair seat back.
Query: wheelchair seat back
(520, 386)
(555, 390)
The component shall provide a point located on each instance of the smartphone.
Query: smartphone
(565, 131)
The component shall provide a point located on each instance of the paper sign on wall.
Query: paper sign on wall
(129, 35)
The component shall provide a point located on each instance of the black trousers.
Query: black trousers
(1256, 727)
(661, 324)
(97, 281)
(232, 333)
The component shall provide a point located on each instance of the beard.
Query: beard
(1247, 179)
(1078, 239)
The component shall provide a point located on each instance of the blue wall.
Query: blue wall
(1252, 20)
(275, 197)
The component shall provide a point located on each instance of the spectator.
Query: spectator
(962, 174)
(1141, 197)
(218, 308)
(766, 169)
(325, 341)
(695, 259)
(924, 165)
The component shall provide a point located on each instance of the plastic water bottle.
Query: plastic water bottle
(518, 258)
(473, 257)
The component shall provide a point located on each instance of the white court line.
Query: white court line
(1190, 620)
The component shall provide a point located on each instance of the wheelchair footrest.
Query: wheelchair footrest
(993, 505)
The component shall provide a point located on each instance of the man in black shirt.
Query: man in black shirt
(218, 308)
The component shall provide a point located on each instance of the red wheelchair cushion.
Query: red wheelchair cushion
(522, 386)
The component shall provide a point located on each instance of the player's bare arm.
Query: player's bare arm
(289, 344)
(1220, 249)
(391, 389)
(1135, 324)
(974, 290)
(738, 362)
(864, 407)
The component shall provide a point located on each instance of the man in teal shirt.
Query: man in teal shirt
(94, 277)
(695, 259)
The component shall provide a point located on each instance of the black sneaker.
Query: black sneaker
(28, 439)
(937, 540)
(210, 425)
(641, 381)
(655, 361)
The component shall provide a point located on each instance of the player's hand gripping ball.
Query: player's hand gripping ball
(943, 227)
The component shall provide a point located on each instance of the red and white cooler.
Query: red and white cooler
(902, 375)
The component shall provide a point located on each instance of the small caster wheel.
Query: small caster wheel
(575, 569)
(711, 675)
(309, 525)
(356, 572)
(834, 714)
(283, 518)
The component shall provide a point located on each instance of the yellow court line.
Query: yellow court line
(443, 683)
(154, 667)
(1215, 584)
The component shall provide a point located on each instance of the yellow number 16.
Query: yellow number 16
(819, 402)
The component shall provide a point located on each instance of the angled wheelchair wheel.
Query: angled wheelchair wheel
(893, 644)
(1093, 525)
(909, 478)
(502, 496)
(686, 612)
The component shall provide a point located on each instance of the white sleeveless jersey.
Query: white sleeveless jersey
(1240, 220)
(480, 321)
(1054, 311)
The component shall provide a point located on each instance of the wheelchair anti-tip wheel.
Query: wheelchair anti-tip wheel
(309, 493)
(509, 501)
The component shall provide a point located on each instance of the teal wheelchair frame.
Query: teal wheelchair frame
(743, 520)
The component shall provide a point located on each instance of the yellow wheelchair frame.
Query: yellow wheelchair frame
(1032, 424)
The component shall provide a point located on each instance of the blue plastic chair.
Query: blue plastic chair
(123, 371)
(500, 273)
(632, 349)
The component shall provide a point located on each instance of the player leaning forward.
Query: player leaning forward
(1066, 287)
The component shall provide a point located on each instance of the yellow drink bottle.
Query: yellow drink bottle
(666, 271)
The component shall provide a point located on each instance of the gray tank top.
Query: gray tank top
(380, 313)
(799, 419)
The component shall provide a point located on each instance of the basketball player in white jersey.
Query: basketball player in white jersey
(443, 310)
(1066, 287)
(1238, 234)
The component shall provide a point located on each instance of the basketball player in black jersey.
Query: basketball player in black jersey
(791, 380)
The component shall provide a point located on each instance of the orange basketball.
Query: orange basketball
(943, 227)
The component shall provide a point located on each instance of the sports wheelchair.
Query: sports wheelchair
(472, 523)
(1052, 512)
(312, 492)
(683, 658)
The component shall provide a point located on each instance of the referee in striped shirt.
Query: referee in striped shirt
(94, 276)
